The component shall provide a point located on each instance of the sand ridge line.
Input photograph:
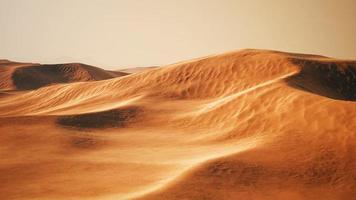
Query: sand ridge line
(215, 104)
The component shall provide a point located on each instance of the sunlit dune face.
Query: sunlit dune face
(249, 124)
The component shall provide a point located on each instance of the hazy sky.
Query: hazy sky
(124, 33)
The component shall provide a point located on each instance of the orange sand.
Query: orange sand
(251, 124)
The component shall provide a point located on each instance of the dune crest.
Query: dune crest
(249, 124)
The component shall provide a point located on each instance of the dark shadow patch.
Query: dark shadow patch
(333, 79)
(106, 119)
(36, 76)
(33, 77)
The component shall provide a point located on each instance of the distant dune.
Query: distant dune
(249, 124)
(28, 76)
(136, 69)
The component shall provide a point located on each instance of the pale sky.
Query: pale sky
(117, 34)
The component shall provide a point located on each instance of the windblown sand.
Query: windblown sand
(250, 124)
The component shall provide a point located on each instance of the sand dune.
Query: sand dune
(250, 124)
(29, 76)
(136, 69)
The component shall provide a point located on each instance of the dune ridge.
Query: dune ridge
(249, 124)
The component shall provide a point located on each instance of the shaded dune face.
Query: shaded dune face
(33, 77)
(22, 76)
(250, 124)
(332, 79)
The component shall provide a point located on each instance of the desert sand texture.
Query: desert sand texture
(249, 124)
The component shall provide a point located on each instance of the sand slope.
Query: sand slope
(250, 124)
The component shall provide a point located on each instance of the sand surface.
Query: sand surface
(250, 124)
